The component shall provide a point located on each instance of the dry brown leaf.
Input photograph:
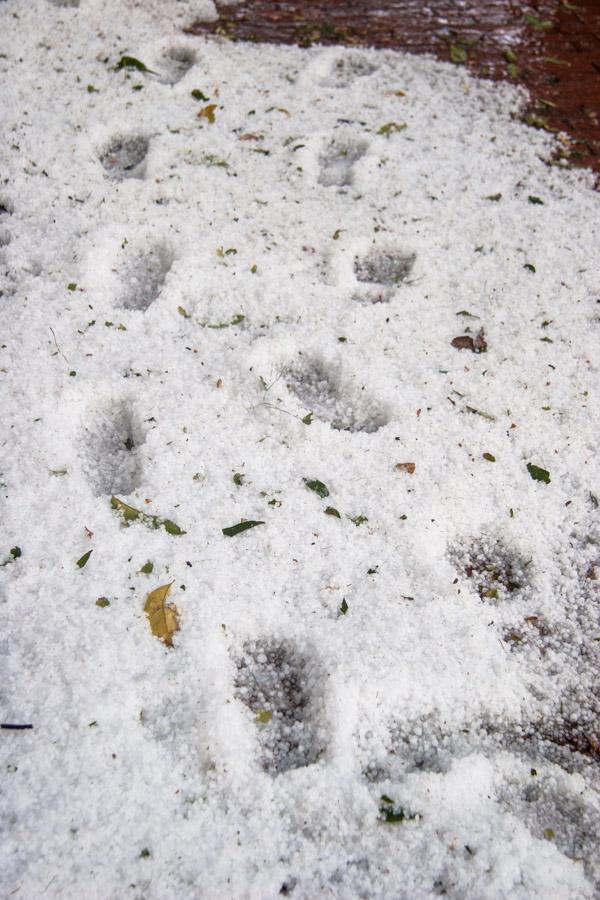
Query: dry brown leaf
(406, 467)
(162, 618)
(250, 137)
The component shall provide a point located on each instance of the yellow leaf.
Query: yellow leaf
(208, 112)
(163, 619)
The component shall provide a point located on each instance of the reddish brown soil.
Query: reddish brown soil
(551, 47)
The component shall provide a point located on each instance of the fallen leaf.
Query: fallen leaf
(240, 527)
(83, 560)
(406, 467)
(466, 342)
(131, 514)
(130, 62)
(208, 112)
(317, 486)
(163, 618)
(250, 137)
(538, 474)
(264, 716)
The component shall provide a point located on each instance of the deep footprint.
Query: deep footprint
(177, 61)
(124, 156)
(279, 685)
(108, 449)
(142, 276)
(320, 392)
(337, 161)
(384, 266)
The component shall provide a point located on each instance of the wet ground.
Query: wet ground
(551, 47)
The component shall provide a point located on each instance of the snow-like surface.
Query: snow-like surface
(462, 672)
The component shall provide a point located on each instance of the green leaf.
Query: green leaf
(537, 24)
(92, 90)
(307, 419)
(130, 514)
(343, 607)
(170, 527)
(238, 479)
(130, 62)
(16, 552)
(391, 813)
(332, 511)
(467, 314)
(489, 457)
(264, 716)
(198, 95)
(82, 561)
(72, 286)
(510, 56)
(538, 474)
(317, 486)
(391, 128)
(513, 70)
(358, 520)
(458, 55)
(235, 320)
(147, 568)
(529, 267)
(102, 602)
(535, 200)
(240, 527)
(183, 312)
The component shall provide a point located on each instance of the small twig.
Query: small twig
(9, 726)
(57, 347)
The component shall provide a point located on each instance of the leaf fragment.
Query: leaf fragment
(198, 95)
(391, 128)
(458, 55)
(130, 62)
(208, 112)
(538, 474)
(490, 457)
(344, 607)
(131, 514)
(83, 560)
(391, 813)
(332, 511)
(232, 530)
(317, 486)
(537, 24)
(406, 467)
(477, 344)
(163, 618)
(264, 716)
(102, 602)
(147, 568)
(307, 419)
(535, 200)
(358, 520)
